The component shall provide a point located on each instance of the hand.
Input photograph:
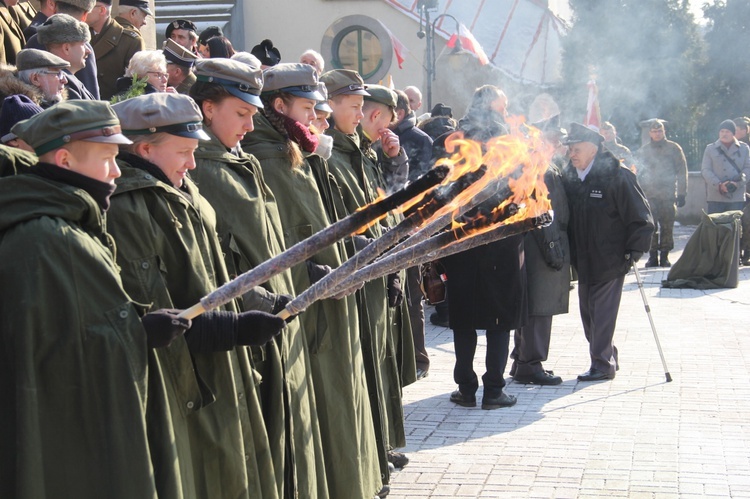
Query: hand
(395, 294)
(634, 256)
(256, 328)
(171, 90)
(162, 326)
(389, 142)
(317, 272)
(280, 303)
(680, 200)
(723, 188)
(360, 242)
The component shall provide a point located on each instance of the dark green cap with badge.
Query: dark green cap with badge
(382, 95)
(300, 80)
(581, 133)
(66, 122)
(243, 81)
(343, 82)
(161, 112)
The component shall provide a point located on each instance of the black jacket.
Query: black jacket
(417, 145)
(609, 217)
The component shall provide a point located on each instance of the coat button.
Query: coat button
(240, 395)
(280, 148)
(145, 265)
(190, 405)
(147, 176)
(123, 314)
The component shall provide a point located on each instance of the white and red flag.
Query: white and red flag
(469, 43)
(399, 49)
(593, 114)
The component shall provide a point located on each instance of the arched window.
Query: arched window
(360, 43)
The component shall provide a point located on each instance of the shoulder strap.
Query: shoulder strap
(731, 161)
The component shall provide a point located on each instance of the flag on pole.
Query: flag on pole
(593, 115)
(399, 49)
(468, 43)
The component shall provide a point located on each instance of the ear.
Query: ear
(65, 47)
(209, 108)
(63, 158)
(279, 106)
(35, 80)
(142, 149)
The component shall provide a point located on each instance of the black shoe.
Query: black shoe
(436, 320)
(384, 491)
(391, 468)
(664, 259)
(502, 400)
(422, 373)
(595, 375)
(653, 260)
(398, 459)
(463, 400)
(538, 378)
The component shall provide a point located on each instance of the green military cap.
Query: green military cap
(300, 80)
(62, 28)
(84, 5)
(582, 133)
(382, 95)
(243, 81)
(322, 104)
(177, 54)
(344, 82)
(161, 112)
(39, 59)
(653, 124)
(66, 122)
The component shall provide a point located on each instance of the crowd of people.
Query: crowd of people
(135, 182)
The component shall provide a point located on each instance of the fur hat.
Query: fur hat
(62, 28)
(84, 5)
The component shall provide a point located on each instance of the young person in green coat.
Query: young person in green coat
(169, 255)
(250, 232)
(285, 146)
(73, 346)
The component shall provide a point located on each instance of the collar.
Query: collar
(582, 174)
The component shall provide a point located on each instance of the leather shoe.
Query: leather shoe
(502, 400)
(595, 375)
(398, 459)
(384, 491)
(422, 373)
(437, 320)
(463, 400)
(538, 378)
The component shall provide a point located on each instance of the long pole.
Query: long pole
(651, 320)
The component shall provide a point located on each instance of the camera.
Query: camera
(730, 186)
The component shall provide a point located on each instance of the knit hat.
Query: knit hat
(728, 125)
(15, 108)
(62, 28)
(267, 53)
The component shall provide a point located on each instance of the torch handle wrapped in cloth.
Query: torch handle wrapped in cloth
(434, 203)
(313, 244)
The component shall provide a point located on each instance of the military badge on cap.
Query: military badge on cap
(242, 81)
(161, 112)
(300, 80)
(344, 82)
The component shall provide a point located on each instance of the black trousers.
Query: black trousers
(465, 343)
(599, 305)
(531, 345)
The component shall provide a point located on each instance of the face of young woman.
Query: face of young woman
(300, 109)
(230, 119)
(173, 155)
(321, 121)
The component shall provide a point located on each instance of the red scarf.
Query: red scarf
(299, 133)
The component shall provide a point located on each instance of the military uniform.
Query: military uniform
(113, 48)
(662, 174)
(620, 152)
(14, 161)
(187, 83)
(24, 13)
(331, 326)
(12, 33)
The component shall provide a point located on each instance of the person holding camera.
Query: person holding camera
(726, 168)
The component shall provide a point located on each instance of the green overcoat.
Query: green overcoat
(72, 352)
(250, 233)
(330, 326)
(170, 256)
(14, 161)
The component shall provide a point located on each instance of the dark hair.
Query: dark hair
(402, 102)
(220, 46)
(203, 90)
(276, 119)
(209, 33)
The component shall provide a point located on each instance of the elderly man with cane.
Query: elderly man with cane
(610, 226)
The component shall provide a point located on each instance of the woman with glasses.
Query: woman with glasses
(148, 65)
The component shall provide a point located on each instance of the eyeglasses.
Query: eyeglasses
(161, 76)
(59, 74)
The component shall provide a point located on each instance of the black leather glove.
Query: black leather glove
(395, 293)
(162, 326)
(680, 200)
(634, 256)
(317, 272)
(280, 303)
(360, 242)
(256, 328)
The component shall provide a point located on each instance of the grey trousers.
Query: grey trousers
(531, 345)
(599, 305)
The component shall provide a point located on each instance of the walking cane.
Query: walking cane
(651, 320)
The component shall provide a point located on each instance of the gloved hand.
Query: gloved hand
(257, 328)
(395, 293)
(680, 200)
(280, 303)
(360, 242)
(317, 272)
(163, 325)
(633, 256)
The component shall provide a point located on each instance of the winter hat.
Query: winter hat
(84, 5)
(267, 53)
(15, 108)
(209, 33)
(62, 28)
(728, 125)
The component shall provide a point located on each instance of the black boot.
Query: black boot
(664, 259)
(653, 260)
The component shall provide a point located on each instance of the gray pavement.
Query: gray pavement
(635, 436)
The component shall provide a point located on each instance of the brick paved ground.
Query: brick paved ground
(636, 436)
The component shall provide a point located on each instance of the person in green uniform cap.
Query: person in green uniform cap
(169, 255)
(73, 344)
(358, 186)
(228, 93)
(285, 146)
(180, 62)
